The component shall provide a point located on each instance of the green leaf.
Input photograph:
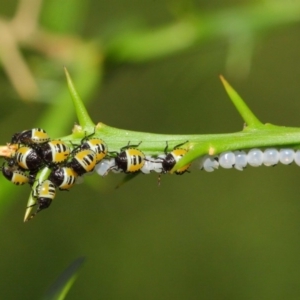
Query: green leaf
(59, 289)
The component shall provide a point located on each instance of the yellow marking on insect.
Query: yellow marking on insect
(86, 158)
(19, 178)
(135, 160)
(40, 134)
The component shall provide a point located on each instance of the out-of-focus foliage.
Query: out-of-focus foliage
(153, 66)
(59, 289)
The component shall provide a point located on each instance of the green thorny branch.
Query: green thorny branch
(254, 134)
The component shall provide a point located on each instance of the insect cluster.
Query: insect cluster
(35, 150)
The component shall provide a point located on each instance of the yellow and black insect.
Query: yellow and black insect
(130, 159)
(44, 193)
(15, 175)
(54, 152)
(97, 145)
(32, 136)
(172, 158)
(83, 161)
(63, 177)
(27, 158)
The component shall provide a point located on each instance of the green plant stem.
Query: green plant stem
(267, 136)
(254, 135)
(41, 176)
(198, 145)
(153, 144)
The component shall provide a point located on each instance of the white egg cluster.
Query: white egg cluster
(254, 157)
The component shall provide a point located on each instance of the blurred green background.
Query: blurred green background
(221, 235)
